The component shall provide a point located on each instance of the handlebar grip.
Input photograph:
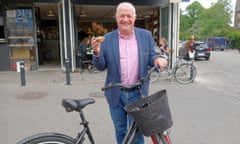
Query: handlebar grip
(110, 85)
(138, 84)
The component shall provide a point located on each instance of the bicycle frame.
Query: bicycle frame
(129, 138)
(179, 61)
(77, 106)
(164, 138)
(133, 130)
(131, 134)
(85, 130)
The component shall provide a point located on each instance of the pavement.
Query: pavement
(200, 115)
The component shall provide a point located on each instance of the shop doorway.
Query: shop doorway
(96, 20)
(47, 25)
(54, 48)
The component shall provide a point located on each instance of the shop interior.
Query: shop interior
(86, 15)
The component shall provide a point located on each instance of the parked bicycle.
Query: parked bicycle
(183, 71)
(151, 116)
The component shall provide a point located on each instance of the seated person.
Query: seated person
(82, 50)
(164, 49)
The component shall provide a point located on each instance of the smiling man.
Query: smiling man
(126, 54)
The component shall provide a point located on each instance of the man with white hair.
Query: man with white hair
(126, 53)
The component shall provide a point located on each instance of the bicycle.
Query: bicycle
(183, 71)
(78, 105)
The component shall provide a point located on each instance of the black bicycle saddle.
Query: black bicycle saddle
(76, 105)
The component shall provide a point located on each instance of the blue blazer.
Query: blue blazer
(109, 59)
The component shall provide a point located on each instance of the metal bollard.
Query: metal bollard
(67, 65)
(22, 73)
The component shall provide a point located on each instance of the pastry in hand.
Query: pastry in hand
(100, 39)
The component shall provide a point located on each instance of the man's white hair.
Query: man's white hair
(126, 4)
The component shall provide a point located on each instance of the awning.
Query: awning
(115, 2)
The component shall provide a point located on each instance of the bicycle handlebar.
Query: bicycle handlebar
(134, 86)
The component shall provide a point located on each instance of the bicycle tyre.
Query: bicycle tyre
(48, 138)
(155, 75)
(185, 73)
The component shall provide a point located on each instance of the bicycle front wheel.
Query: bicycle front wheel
(185, 73)
(48, 138)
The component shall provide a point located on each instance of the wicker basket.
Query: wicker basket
(152, 114)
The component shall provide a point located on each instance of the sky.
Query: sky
(206, 4)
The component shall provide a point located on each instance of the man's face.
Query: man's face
(125, 18)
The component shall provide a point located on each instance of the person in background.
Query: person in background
(163, 46)
(189, 48)
(82, 49)
(81, 36)
(126, 54)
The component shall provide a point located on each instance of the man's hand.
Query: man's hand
(161, 62)
(96, 45)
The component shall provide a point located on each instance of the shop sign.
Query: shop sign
(21, 17)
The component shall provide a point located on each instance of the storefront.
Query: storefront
(45, 33)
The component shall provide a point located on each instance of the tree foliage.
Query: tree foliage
(214, 21)
(234, 38)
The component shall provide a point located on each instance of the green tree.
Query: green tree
(215, 19)
(187, 20)
(203, 23)
(234, 38)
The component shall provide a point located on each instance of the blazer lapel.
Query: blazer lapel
(140, 50)
(115, 47)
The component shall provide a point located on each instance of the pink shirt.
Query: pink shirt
(128, 59)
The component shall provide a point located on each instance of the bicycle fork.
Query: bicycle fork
(164, 138)
(131, 134)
